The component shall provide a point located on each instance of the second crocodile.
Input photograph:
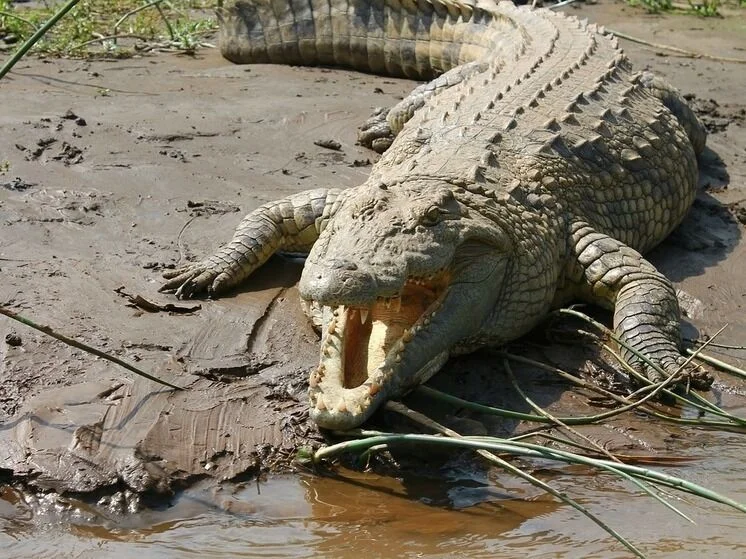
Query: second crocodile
(534, 168)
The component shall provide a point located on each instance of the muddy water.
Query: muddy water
(482, 515)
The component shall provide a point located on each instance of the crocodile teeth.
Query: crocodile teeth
(397, 304)
(363, 316)
(320, 404)
(316, 376)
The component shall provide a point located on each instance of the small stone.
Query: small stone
(44, 142)
(13, 339)
(329, 144)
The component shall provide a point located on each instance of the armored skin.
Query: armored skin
(535, 167)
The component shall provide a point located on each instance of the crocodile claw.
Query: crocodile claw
(191, 280)
(690, 376)
(375, 133)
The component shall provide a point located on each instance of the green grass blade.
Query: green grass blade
(31, 41)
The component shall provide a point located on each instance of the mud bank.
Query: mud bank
(118, 170)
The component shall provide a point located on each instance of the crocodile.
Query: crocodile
(533, 167)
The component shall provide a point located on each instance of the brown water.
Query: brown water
(473, 514)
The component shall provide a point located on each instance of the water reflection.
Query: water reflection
(465, 516)
(388, 517)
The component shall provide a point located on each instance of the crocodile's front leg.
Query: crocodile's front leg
(292, 224)
(646, 310)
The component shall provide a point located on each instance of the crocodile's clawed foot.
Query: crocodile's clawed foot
(687, 376)
(375, 133)
(191, 280)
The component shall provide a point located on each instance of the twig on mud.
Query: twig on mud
(31, 41)
(490, 410)
(104, 38)
(627, 404)
(722, 346)
(555, 420)
(178, 238)
(133, 12)
(654, 459)
(140, 302)
(507, 466)
(677, 50)
(84, 347)
(735, 371)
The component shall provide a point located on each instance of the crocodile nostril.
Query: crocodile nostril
(344, 265)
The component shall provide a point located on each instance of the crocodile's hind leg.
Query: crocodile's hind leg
(292, 224)
(379, 131)
(646, 311)
(675, 103)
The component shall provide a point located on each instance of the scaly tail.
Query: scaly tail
(408, 38)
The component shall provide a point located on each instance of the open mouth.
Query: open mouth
(362, 347)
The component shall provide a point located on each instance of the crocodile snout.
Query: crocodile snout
(337, 282)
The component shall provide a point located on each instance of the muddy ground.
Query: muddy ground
(118, 170)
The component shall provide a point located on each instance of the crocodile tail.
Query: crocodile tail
(417, 39)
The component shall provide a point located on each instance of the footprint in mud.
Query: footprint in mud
(46, 150)
(63, 206)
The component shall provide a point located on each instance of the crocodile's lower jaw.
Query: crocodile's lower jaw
(364, 353)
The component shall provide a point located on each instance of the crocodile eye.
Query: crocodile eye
(432, 216)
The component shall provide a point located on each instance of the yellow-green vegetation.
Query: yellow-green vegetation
(117, 28)
(706, 8)
(653, 6)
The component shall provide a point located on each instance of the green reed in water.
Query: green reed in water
(647, 480)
